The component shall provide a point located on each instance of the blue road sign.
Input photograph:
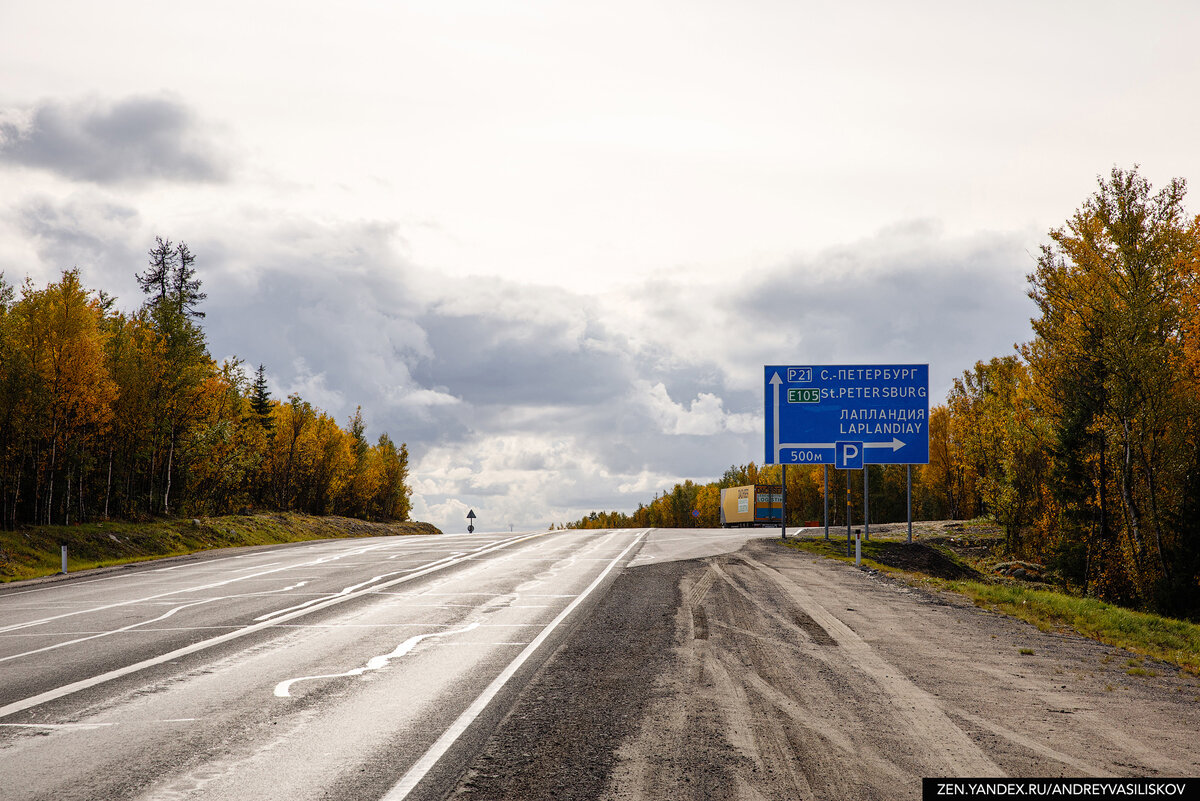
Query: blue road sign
(847, 415)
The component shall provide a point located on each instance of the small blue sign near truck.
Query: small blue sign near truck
(847, 415)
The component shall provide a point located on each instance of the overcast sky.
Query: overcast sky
(550, 245)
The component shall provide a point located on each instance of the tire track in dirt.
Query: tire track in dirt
(776, 676)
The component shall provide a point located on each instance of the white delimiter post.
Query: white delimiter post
(64, 560)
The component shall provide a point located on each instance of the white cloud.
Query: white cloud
(534, 404)
(556, 275)
(312, 387)
(705, 415)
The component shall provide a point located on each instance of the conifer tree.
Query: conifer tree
(260, 399)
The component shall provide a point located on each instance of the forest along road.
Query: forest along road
(662, 664)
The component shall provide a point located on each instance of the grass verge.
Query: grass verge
(36, 551)
(1167, 639)
(1155, 636)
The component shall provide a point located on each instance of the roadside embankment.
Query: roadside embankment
(37, 550)
(967, 564)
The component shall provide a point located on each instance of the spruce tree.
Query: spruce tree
(260, 399)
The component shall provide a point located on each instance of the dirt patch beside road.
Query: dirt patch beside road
(921, 558)
(772, 673)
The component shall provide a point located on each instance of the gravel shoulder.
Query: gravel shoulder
(774, 674)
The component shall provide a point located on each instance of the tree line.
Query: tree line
(112, 415)
(1084, 444)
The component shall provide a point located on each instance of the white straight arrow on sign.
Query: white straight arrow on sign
(775, 382)
(895, 444)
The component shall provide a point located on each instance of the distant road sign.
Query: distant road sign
(847, 415)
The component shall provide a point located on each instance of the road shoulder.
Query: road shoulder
(773, 673)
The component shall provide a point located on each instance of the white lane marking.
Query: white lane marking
(86, 726)
(468, 716)
(55, 725)
(213, 585)
(343, 591)
(130, 627)
(375, 662)
(53, 586)
(83, 684)
(459, 594)
(321, 561)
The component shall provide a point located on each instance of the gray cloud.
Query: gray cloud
(134, 140)
(498, 361)
(530, 404)
(89, 231)
(905, 295)
(534, 404)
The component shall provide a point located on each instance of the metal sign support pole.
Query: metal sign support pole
(867, 501)
(848, 511)
(826, 494)
(908, 476)
(783, 501)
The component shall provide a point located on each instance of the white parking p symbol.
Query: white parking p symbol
(848, 455)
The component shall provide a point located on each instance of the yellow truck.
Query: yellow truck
(752, 505)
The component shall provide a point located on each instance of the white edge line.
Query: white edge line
(83, 684)
(430, 758)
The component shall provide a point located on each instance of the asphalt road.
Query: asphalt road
(348, 669)
(770, 673)
(627, 665)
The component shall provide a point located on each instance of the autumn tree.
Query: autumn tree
(111, 414)
(1108, 361)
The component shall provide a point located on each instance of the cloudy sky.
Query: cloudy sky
(550, 245)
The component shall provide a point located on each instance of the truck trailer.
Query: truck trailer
(752, 505)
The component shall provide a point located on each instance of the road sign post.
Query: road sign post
(825, 492)
(783, 503)
(850, 416)
(867, 503)
(849, 512)
(847, 415)
(908, 482)
(471, 522)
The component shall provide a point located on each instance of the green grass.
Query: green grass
(835, 548)
(36, 551)
(1170, 640)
